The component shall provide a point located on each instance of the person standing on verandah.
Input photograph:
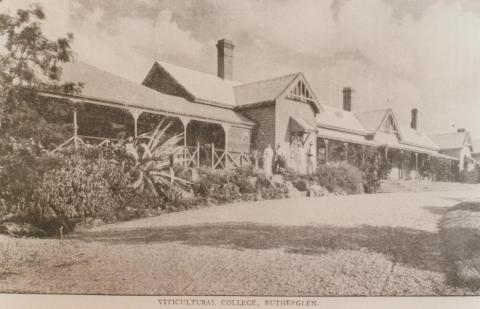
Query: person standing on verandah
(310, 158)
(267, 161)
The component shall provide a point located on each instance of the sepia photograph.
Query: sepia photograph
(240, 153)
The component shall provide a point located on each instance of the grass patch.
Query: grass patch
(460, 232)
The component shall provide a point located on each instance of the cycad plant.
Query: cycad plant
(153, 154)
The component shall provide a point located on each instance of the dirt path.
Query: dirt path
(383, 244)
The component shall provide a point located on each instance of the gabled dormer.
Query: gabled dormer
(291, 87)
(381, 125)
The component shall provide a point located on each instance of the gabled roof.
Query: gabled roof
(271, 89)
(371, 120)
(339, 119)
(202, 86)
(453, 140)
(263, 91)
(99, 85)
(206, 88)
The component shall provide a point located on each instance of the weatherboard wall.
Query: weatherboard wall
(286, 108)
(264, 131)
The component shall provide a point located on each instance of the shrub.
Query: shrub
(152, 154)
(23, 164)
(472, 176)
(67, 188)
(269, 190)
(243, 178)
(77, 191)
(217, 184)
(233, 185)
(441, 170)
(460, 233)
(340, 175)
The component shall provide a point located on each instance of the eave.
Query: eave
(114, 103)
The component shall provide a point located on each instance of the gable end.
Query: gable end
(300, 90)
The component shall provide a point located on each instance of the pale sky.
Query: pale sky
(394, 53)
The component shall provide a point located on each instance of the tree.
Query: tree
(31, 62)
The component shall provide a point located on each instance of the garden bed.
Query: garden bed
(85, 186)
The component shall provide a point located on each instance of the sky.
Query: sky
(401, 54)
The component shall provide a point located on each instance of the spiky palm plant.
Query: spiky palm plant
(152, 153)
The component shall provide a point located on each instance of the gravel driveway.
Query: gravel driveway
(385, 244)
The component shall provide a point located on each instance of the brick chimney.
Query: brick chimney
(347, 99)
(225, 59)
(414, 122)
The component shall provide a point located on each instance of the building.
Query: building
(458, 145)
(476, 150)
(225, 120)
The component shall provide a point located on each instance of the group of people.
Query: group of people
(274, 160)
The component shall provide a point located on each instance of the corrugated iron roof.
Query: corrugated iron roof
(262, 91)
(371, 119)
(105, 86)
(201, 85)
(340, 119)
(451, 140)
(414, 137)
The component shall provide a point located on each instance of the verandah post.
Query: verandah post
(185, 122)
(213, 155)
(416, 166)
(226, 129)
(198, 154)
(401, 170)
(363, 155)
(135, 114)
(75, 129)
(326, 150)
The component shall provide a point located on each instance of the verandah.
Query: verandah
(205, 142)
(405, 164)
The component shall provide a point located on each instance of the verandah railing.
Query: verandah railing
(222, 158)
(190, 156)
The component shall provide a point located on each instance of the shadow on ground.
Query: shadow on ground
(436, 210)
(416, 248)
